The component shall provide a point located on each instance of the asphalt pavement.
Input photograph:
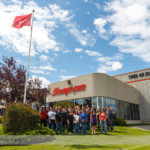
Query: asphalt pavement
(145, 127)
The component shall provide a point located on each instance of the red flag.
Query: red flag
(21, 21)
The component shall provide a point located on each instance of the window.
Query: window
(94, 101)
(100, 100)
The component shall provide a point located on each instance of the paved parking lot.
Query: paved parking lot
(145, 127)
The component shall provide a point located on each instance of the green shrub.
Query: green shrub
(1, 119)
(36, 131)
(40, 131)
(119, 121)
(64, 104)
(20, 117)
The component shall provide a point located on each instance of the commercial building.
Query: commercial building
(100, 90)
(141, 81)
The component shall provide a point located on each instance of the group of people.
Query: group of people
(81, 120)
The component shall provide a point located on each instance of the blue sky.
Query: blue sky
(77, 37)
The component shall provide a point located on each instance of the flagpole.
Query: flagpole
(25, 89)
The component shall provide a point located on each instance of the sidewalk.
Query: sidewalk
(144, 127)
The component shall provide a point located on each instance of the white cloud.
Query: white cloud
(84, 31)
(98, 6)
(37, 71)
(100, 24)
(114, 66)
(106, 64)
(93, 53)
(128, 26)
(44, 58)
(85, 40)
(78, 50)
(45, 82)
(63, 77)
(118, 56)
(66, 51)
(109, 64)
(85, 1)
(46, 67)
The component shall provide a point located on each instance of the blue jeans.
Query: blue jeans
(80, 126)
(47, 121)
(59, 127)
(110, 123)
(83, 128)
(103, 124)
(76, 128)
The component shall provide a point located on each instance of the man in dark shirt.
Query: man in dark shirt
(70, 120)
(107, 120)
(59, 120)
(110, 117)
(88, 119)
(64, 115)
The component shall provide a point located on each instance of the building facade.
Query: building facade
(100, 90)
(141, 81)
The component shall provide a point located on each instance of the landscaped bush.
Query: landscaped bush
(40, 131)
(1, 119)
(65, 104)
(20, 117)
(119, 121)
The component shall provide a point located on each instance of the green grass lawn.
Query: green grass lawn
(121, 138)
(77, 147)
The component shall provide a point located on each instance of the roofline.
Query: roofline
(130, 72)
(80, 76)
(137, 81)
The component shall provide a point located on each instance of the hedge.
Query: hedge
(1, 119)
(20, 117)
(119, 121)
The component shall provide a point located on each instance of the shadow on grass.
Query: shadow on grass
(94, 146)
(118, 132)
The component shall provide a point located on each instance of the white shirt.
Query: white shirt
(52, 115)
(76, 118)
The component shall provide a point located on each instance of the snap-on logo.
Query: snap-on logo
(65, 91)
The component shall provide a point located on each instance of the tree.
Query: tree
(12, 83)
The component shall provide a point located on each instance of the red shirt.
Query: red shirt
(43, 115)
(103, 116)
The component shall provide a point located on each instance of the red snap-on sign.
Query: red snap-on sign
(65, 91)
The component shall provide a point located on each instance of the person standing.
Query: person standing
(93, 121)
(51, 115)
(64, 115)
(80, 124)
(97, 114)
(47, 119)
(83, 118)
(107, 119)
(110, 119)
(70, 119)
(88, 119)
(76, 122)
(43, 117)
(56, 109)
(59, 120)
(103, 121)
